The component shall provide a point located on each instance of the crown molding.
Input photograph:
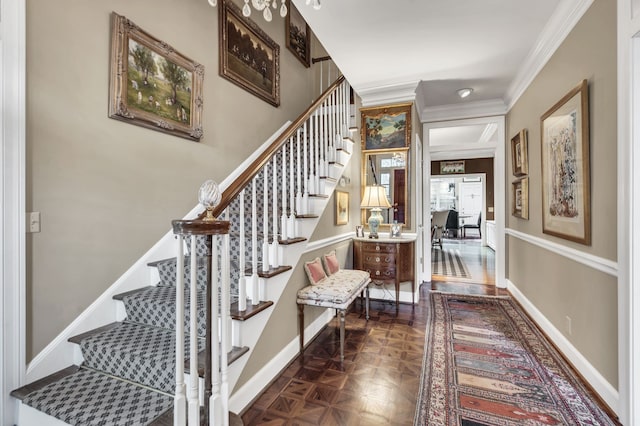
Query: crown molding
(462, 111)
(388, 94)
(567, 14)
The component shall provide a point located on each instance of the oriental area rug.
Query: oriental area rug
(486, 363)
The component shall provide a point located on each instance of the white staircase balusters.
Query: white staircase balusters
(216, 408)
(275, 245)
(254, 245)
(242, 261)
(299, 210)
(313, 129)
(316, 157)
(192, 393)
(179, 400)
(322, 162)
(292, 223)
(305, 192)
(283, 216)
(265, 219)
(331, 146)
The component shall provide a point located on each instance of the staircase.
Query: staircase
(135, 369)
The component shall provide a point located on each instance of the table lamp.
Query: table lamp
(374, 198)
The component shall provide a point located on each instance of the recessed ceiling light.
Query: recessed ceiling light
(463, 93)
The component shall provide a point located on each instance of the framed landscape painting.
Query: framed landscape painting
(248, 56)
(298, 35)
(387, 127)
(342, 208)
(566, 210)
(151, 84)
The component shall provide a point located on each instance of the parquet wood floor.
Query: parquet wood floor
(376, 385)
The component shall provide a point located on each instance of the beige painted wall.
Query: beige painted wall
(107, 190)
(565, 288)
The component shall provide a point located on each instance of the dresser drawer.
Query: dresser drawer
(378, 248)
(381, 273)
(378, 259)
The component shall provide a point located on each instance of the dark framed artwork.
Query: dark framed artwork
(248, 56)
(566, 193)
(520, 198)
(451, 167)
(386, 127)
(298, 35)
(519, 154)
(151, 84)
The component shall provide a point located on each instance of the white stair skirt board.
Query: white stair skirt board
(30, 417)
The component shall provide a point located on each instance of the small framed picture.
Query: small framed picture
(519, 160)
(451, 167)
(342, 208)
(360, 231)
(520, 196)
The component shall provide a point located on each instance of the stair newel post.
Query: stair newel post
(242, 281)
(292, 224)
(305, 168)
(265, 219)
(299, 210)
(275, 245)
(283, 197)
(254, 245)
(180, 401)
(192, 393)
(225, 319)
(213, 406)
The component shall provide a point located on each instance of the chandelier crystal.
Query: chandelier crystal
(263, 6)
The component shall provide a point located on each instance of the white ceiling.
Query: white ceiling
(425, 50)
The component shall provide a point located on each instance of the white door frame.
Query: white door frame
(12, 188)
(468, 151)
(628, 231)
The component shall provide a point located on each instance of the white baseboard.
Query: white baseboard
(606, 391)
(244, 396)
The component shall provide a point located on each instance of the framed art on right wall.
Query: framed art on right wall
(519, 157)
(566, 193)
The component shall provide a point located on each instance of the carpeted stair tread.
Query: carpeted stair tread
(90, 398)
(135, 352)
(156, 306)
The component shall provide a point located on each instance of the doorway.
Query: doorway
(481, 140)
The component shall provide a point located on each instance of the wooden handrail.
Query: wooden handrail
(245, 178)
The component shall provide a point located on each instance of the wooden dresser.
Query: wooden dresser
(388, 260)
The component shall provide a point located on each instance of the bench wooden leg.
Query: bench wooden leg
(301, 323)
(341, 335)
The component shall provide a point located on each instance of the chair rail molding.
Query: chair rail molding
(596, 262)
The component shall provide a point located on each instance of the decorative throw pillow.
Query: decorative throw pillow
(314, 271)
(331, 264)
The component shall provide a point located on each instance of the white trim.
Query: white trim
(628, 208)
(244, 396)
(12, 226)
(606, 391)
(462, 111)
(325, 242)
(567, 14)
(60, 353)
(596, 262)
(388, 94)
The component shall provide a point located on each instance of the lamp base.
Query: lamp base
(374, 222)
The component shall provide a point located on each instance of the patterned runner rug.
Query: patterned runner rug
(486, 363)
(449, 263)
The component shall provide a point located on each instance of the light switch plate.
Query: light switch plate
(33, 221)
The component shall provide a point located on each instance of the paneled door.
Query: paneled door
(470, 202)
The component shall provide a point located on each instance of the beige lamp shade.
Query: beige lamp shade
(375, 197)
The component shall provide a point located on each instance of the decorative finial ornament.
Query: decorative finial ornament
(209, 196)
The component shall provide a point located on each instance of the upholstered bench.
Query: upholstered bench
(337, 290)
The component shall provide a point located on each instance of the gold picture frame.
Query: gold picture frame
(566, 190)
(519, 154)
(520, 198)
(386, 127)
(298, 35)
(452, 167)
(249, 58)
(342, 208)
(151, 84)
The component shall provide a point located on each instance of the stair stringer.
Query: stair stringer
(60, 353)
(253, 328)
